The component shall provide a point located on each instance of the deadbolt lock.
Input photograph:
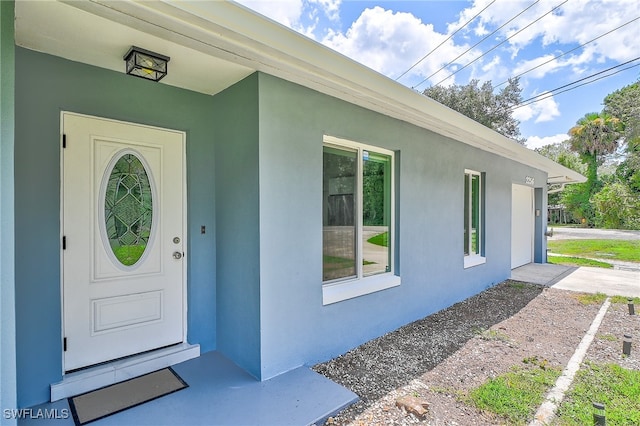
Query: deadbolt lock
(176, 240)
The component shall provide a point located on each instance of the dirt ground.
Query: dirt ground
(450, 352)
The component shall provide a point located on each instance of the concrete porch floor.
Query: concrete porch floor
(221, 393)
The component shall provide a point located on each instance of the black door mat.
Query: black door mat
(118, 397)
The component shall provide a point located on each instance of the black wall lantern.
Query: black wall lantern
(145, 64)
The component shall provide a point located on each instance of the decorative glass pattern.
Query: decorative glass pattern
(128, 209)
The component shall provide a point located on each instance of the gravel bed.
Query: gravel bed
(440, 357)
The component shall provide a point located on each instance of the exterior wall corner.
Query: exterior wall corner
(8, 380)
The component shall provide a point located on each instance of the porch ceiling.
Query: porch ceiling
(65, 30)
(214, 44)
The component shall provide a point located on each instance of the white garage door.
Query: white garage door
(522, 225)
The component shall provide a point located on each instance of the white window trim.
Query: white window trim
(339, 290)
(343, 290)
(474, 259)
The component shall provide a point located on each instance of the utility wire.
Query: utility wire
(567, 52)
(446, 40)
(582, 79)
(486, 37)
(551, 93)
(502, 42)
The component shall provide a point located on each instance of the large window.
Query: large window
(357, 219)
(473, 232)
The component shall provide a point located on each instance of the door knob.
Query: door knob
(177, 255)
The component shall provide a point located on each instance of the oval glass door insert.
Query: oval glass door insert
(128, 209)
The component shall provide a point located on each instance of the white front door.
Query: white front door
(123, 239)
(522, 225)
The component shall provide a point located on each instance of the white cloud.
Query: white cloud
(544, 110)
(540, 66)
(391, 42)
(534, 142)
(523, 113)
(572, 24)
(494, 62)
(331, 8)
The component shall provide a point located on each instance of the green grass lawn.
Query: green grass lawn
(516, 395)
(624, 250)
(599, 298)
(380, 239)
(617, 388)
(577, 261)
(625, 299)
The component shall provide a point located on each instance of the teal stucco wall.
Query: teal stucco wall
(71, 86)
(296, 328)
(238, 224)
(7, 287)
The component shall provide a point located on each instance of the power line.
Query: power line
(551, 93)
(502, 42)
(579, 80)
(567, 52)
(469, 49)
(446, 40)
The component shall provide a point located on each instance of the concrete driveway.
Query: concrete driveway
(583, 279)
(599, 280)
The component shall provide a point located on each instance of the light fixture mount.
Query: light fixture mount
(146, 64)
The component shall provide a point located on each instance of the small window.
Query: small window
(473, 232)
(357, 219)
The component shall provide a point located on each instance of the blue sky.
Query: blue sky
(391, 36)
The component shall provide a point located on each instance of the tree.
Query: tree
(629, 170)
(482, 105)
(594, 136)
(616, 207)
(625, 104)
(576, 200)
(561, 153)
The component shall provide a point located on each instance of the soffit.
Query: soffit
(69, 32)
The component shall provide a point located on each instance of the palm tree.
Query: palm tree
(594, 136)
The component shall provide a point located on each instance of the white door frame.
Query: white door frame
(184, 221)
